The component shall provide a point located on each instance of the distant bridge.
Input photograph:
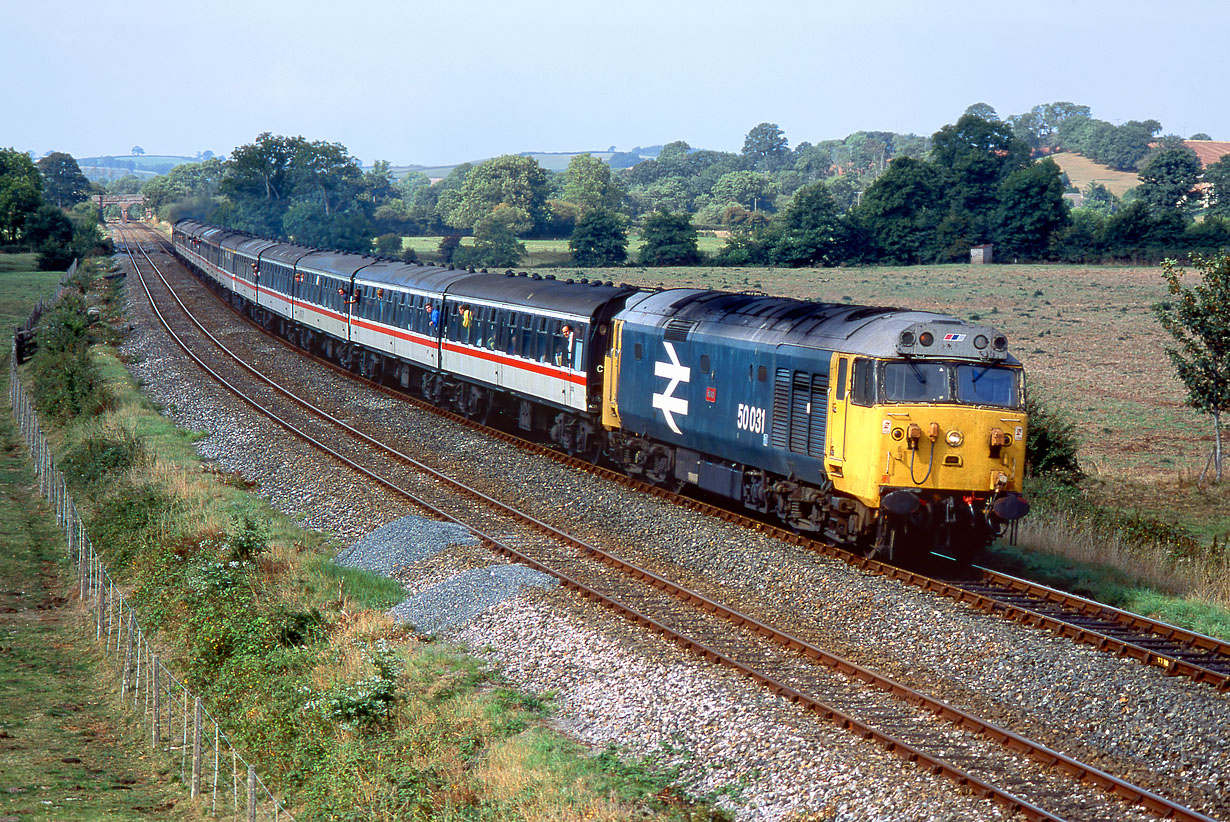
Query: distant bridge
(124, 201)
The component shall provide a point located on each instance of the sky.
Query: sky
(437, 83)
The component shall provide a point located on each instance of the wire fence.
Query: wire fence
(171, 717)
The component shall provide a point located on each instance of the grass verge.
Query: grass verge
(68, 751)
(1131, 560)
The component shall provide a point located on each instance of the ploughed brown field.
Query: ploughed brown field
(1091, 348)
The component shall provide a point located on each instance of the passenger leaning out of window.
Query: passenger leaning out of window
(563, 356)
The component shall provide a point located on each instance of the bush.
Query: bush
(67, 381)
(100, 455)
(388, 245)
(670, 239)
(599, 239)
(1050, 448)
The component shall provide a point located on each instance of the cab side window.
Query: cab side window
(863, 391)
(840, 387)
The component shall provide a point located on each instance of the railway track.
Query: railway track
(899, 718)
(1179, 652)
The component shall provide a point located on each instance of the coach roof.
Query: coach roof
(583, 299)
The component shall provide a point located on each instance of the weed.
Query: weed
(103, 453)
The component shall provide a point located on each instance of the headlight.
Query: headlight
(954, 438)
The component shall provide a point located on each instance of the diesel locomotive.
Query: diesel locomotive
(896, 433)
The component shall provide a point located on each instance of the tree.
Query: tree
(324, 172)
(21, 192)
(984, 111)
(1098, 197)
(1129, 232)
(902, 209)
(669, 194)
(1217, 175)
(1199, 320)
(128, 184)
(808, 230)
(1168, 178)
(751, 189)
(514, 185)
(349, 229)
(258, 181)
(1031, 208)
(670, 239)
(378, 187)
(599, 239)
(63, 182)
(137, 151)
(589, 184)
(766, 147)
(49, 224)
(1124, 147)
(977, 155)
(495, 246)
(188, 190)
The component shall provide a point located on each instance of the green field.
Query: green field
(21, 286)
(547, 252)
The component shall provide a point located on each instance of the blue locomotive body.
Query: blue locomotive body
(717, 377)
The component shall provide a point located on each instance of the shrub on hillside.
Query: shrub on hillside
(1050, 448)
(67, 382)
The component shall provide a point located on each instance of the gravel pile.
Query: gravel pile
(403, 542)
(616, 683)
(458, 599)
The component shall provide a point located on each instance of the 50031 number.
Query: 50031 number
(751, 419)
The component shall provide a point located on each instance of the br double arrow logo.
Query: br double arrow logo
(667, 401)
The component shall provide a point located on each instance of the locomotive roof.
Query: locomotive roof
(874, 331)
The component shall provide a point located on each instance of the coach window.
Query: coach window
(527, 335)
(543, 344)
(578, 347)
(512, 336)
(863, 392)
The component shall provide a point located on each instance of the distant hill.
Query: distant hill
(145, 166)
(1083, 171)
(549, 160)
